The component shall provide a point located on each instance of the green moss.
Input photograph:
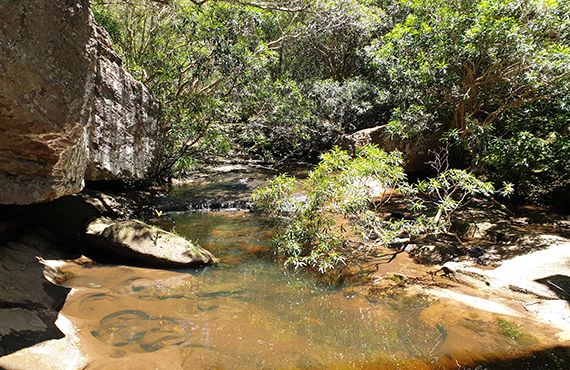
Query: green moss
(513, 331)
(397, 278)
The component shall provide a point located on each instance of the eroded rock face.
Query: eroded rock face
(66, 106)
(46, 68)
(124, 123)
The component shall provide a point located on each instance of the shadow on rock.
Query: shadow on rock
(29, 304)
(487, 233)
(558, 284)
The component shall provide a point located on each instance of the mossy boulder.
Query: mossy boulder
(145, 243)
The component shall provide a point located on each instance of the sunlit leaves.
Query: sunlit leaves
(339, 184)
(345, 185)
(479, 57)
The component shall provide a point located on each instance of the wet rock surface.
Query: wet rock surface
(35, 241)
(68, 111)
(509, 262)
(486, 233)
(537, 282)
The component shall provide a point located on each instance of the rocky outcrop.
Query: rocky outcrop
(147, 244)
(416, 151)
(124, 121)
(68, 112)
(538, 281)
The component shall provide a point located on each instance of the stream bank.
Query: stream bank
(517, 264)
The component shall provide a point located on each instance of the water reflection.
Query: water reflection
(249, 313)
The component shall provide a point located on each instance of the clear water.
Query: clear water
(248, 313)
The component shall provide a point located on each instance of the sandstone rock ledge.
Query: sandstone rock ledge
(68, 111)
(417, 152)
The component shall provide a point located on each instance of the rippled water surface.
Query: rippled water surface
(248, 313)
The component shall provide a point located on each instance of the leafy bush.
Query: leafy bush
(533, 151)
(469, 62)
(344, 187)
(305, 209)
(279, 121)
(497, 71)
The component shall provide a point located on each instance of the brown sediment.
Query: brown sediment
(249, 313)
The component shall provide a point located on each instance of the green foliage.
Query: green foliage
(308, 237)
(110, 22)
(447, 192)
(344, 187)
(279, 121)
(245, 76)
(432, 201)
(468, 62)
(351, 104)
(277, 196)
(483, 68)
(533, 151)
(283, 80)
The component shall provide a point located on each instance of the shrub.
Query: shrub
(341, 186)
(308, 236)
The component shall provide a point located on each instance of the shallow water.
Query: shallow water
(215, 191)
(249, 313)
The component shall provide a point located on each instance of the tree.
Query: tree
(466, 63)
(194, 56)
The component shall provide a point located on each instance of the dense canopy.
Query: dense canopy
(283, 80)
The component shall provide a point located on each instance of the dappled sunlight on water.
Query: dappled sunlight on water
(247, 312)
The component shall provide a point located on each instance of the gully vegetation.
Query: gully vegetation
(354, 188)
(489, 80)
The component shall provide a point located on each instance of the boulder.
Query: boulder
(148, 244)
(416, 151)
(68, 111)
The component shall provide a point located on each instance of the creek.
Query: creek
(247, 312)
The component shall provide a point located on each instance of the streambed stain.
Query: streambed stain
(140, 332)
(249, 313)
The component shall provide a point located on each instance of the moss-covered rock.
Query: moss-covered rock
(149, 244)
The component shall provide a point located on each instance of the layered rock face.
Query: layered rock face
(68, 111)
(124, 122)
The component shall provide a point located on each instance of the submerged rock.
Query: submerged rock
(149, 244)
